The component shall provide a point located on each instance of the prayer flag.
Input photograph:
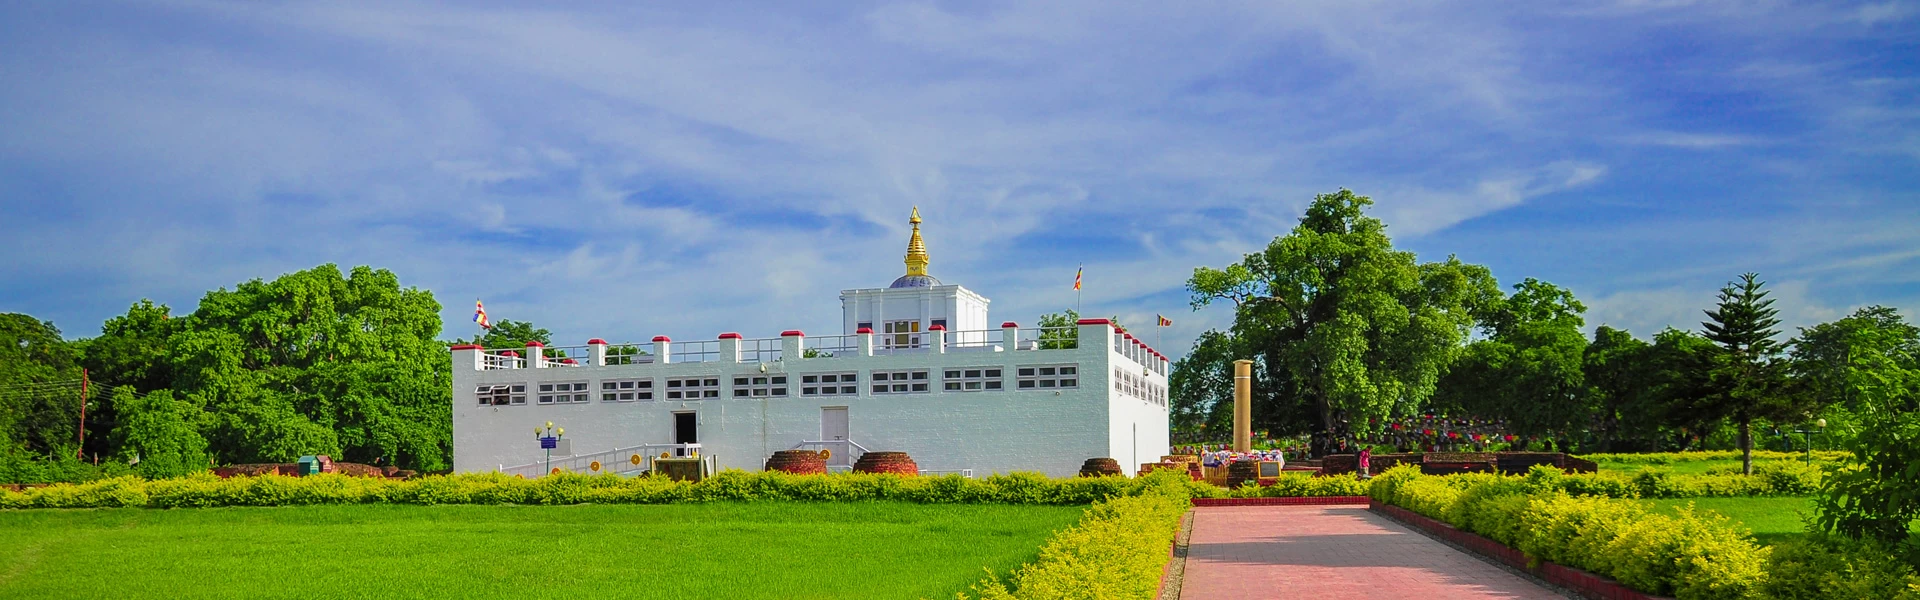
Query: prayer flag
(1164, 322)
(1076, 277)
(480, 315)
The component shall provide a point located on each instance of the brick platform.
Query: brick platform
(1332, 552)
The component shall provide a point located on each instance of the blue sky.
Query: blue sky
(619, 172)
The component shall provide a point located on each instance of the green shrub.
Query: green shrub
(1667, 458)
(1690, 556)
(1118, 550)
(202, 489)
(1829, 567)
(1302, 485)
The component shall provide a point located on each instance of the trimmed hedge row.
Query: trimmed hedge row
(1293, 485)
(1690, 556)
(1116, 551)
(1667, 458)
(203, 490)
(1772, 479)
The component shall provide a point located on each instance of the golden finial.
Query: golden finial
(916, 249)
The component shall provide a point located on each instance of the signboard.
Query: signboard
(1269, 468)
(549, 443)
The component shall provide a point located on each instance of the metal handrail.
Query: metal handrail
(829, 346)
(760, 350)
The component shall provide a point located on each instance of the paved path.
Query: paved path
(1332, 552)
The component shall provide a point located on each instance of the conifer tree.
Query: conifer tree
(1746, 378)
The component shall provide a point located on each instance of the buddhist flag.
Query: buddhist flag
(480, 315)
(1076, 277)
(1164, 322)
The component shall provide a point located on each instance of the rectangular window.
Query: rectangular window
(692, 388)
(972, 379)
(563, 392)
(626, 390)
(900, 382)
(1047, 377)
(830, 384)
(758, 386)
(902, 334)
(502, 395)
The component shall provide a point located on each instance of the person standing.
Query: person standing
(1366, 454)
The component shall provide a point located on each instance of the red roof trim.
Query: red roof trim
(467, 347)
(792, 333)
(510, 353)
(535, 344)
(1093, 322)
(937, 327)
(1009, 324)
(730, 336)
(596, 342)
(863, 330)
(662, 338)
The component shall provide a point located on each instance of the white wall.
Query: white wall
(985, 431)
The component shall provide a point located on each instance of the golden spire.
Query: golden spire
(916, 249)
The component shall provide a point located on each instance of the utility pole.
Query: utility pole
(81, 452)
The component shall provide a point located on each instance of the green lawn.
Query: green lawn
(1685, 467)
(721, 550)
(1771, 519)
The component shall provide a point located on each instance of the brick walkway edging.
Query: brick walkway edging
(1581, 582)
(1294, 501)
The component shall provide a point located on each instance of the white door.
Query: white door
(833, 426)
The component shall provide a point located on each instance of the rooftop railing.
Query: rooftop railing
(794, 345)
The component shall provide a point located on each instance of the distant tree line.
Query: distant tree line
(313, 362)
(1348, 334)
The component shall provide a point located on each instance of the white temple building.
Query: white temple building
(916, 368)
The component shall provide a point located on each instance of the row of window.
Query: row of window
(904, 381)
(1139, 386)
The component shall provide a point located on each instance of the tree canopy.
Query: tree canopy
(1357, 329)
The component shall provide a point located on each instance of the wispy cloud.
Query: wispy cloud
(626, 171)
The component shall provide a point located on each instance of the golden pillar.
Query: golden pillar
(1243, 406)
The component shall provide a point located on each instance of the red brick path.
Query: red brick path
(1331, 553)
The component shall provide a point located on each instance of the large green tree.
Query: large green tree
(1619, 370)
(39, 408)
(159, 433)
(1361, 330)
(1529, 371)
(1748, 377)
(319, 362)
(1871, 361)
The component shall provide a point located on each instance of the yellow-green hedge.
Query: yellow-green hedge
(1667, 458)
(1691, 556)
(1118, 550)
(492, 488)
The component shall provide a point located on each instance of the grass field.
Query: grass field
(1771, 519)
(1690, 467)
(720, 550)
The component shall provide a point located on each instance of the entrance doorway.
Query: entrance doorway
(833, 426)
(686, 430)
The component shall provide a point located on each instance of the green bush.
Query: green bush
(1302, 485)
(1667, 458)
(1689, 556)
(1831, 567)
(202, 489)
(1118, 550)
